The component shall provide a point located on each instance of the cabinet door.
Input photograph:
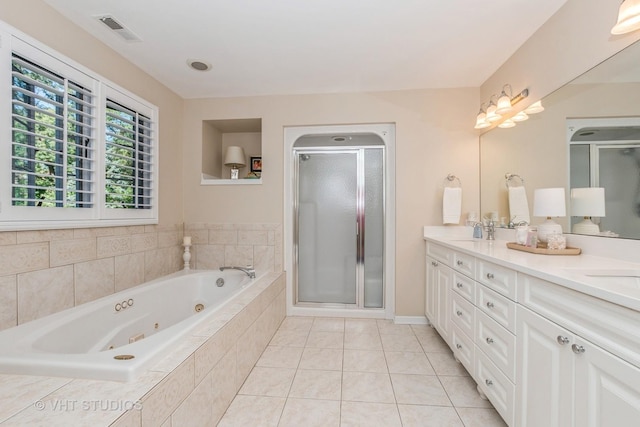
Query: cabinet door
(607, 389)
(544, 385)
(431, 290)
(443, 301)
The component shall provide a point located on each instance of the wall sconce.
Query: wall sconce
(549, 202)
(496, 111)
(235, 159)
(628, 17)
(587, 202)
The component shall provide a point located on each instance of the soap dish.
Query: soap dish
(542, 249)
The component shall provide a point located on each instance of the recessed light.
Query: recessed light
(198, 65)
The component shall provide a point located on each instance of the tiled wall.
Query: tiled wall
(43, 272)
(215, 245)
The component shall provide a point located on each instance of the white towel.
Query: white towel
(451, 205)
(518, 205)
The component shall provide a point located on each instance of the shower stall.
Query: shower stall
(339, 223)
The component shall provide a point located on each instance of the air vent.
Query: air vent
(118, 28)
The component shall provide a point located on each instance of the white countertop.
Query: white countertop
(565, 270)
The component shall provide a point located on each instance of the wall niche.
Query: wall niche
(217, 136)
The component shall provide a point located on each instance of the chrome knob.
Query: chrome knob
(490, 304)
(489, 340)
(458, 346)
(577, 349)
(563, 340)
(459, 313)
(459, 262)
(489, 275)
(488, 382)
(459, 285)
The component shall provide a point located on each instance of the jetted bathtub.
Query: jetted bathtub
(119, 336)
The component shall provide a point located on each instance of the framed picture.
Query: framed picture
(256, 164)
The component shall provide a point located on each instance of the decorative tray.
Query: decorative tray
(542, 249)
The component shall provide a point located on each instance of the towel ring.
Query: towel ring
(452, 181)
(512, 176)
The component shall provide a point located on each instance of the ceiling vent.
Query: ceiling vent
(118, 28)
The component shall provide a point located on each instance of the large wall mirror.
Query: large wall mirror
(587, 136)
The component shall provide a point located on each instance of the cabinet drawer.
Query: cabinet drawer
(463, 314)
(440, 253)
(465, 264)
(498, 278)
(496, 386)
(497, 343)
(499, 308)
(464, 286)
(463, 348)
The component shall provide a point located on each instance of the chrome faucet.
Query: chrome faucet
(491, 229)
(248, 270)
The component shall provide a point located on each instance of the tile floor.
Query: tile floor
(358, 372)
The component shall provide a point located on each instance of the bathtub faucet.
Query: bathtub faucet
(248, 270)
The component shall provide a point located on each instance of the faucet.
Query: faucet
(491, 229)
(248, 270)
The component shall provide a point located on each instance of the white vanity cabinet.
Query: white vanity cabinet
(564, 379)
(438, 292)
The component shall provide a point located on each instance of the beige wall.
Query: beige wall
(36, 19)
(434, 137)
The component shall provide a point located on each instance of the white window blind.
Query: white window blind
(52, 139)
(128, 159)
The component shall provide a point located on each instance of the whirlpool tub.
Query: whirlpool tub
(119, 336)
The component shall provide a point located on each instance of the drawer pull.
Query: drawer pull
(490, 304)
(577, 349)
(563, 340)
(459, 285)
(434, 263)
(489, 340)
(489, 275)
(488, 382)
(458, 346)
(459, 262)
(459, 313)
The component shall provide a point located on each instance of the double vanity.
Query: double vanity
(551, 340)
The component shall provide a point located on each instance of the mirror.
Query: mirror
(537, 150)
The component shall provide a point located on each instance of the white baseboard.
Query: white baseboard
(410, 320)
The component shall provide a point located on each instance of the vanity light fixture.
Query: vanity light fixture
(492, 115)
(534, 108)
(481, 119)
(628, 17)
(504, 102)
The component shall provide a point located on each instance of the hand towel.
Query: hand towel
(451, 205)
(518, 205)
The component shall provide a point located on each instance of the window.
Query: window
(77, 147)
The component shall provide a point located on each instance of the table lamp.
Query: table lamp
(235, 159)
(587, 202)
(549, 202)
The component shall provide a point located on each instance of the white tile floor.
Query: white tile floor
(357, 372)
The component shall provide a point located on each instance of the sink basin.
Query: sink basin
(628, 278)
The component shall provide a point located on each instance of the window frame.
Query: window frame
(38, 217)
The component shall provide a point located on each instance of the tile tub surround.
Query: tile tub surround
(46, 271)
(358, 372)
(215, 245)
(192, 386)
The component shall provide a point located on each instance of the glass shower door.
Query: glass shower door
(327, 226)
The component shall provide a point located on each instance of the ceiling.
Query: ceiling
(260, 47)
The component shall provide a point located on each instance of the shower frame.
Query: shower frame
(386, 132)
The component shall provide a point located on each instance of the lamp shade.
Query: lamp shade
(234, 156)
(587, 201)
(504, 104)
(534, 108)
(628, 17)
(549, 202)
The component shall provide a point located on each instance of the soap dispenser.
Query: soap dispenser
(477, 230)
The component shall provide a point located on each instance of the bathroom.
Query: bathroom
(249, 225)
